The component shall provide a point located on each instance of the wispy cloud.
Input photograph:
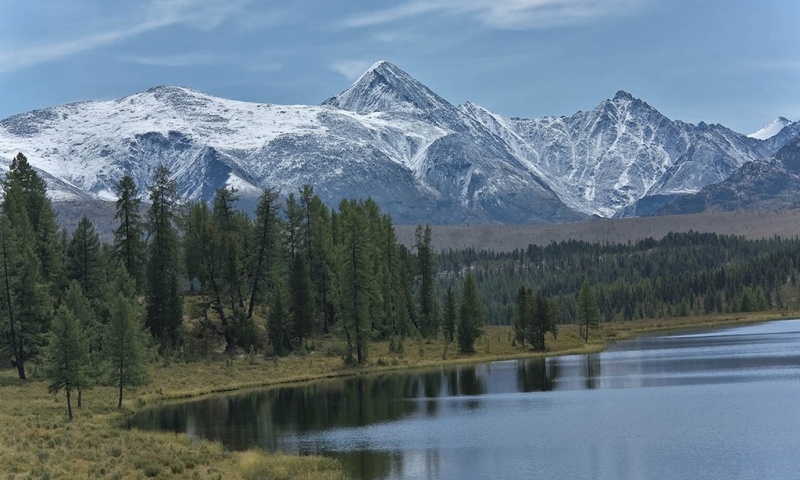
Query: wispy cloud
(501, 14)
(198, 14)
(351, 69)
(391, 15)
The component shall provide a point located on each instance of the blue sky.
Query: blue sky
(735, 62)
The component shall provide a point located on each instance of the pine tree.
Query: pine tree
(588, 313)
(522, 315)
(358, 288)
(231, 232)
(428, 307)
(471, 316)
(129, 244)
(263, 257)
(89, 331)
(66, 356)
(542, 320)
(316, 230)
(126, 337)
(301, 305)
(25, 303)
(84, 263)
(25, 203)
(164, 296)
(450, 314)
(277, 322)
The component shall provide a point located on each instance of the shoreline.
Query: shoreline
(594, 346)
(40, 441)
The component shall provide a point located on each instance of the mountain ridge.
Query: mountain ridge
(390, 137)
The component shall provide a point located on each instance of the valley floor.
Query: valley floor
(38, 441)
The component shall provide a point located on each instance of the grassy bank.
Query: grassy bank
(38, 441)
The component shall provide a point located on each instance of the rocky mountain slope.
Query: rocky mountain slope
(767, 184)
(389, 137)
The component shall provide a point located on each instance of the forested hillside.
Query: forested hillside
(681, 274)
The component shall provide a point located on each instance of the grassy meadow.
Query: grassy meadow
(38, 442)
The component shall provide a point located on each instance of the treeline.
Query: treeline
(682, 274)
(88, 312)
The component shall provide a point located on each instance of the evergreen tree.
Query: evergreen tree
(25, 203)
(205, 261)
(277, 321)
(450, 315)
(264, 257)
(588, 312)
(66, 356)
(126, 337)
(522, 315)
(316, 230)
(293, 241)
(129, 244)
(542, 320)
(428, 307)
(357, 282)
(164, 296)
(84, 263)
(471, 316)
(231, 233)
(89, 331)
(25, 304)
(301, 303)
(11, 330)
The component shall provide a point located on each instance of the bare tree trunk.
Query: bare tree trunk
(69, 404)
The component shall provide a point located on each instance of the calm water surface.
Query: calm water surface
(723, 404)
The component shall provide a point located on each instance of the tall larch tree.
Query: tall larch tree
(164, 296)
(125, 337)
(522, 315)
(26, 305)
(277, 323)
(263, 257)
(205, 262)
(25, 196)
(89, 329)
(66, 358)
(129, 244)
(450, 315)
(429, 314)
(470, 316)
(316, 229)
(84, 262)
(357, 282)
(588, 312)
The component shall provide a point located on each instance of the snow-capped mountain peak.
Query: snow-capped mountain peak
(771, 129)
(384, 87)
(391, 138)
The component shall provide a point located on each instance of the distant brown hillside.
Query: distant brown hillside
(750, 224)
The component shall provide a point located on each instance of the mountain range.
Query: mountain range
(389, 137)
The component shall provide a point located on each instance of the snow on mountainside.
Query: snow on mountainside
(771, 129)
(389, 137)
(606, 159)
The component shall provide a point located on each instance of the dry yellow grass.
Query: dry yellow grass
(38, 441)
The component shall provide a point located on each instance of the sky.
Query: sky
(734, 62)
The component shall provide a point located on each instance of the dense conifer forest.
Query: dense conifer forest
(681, 274)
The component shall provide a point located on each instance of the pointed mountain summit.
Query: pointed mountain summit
(771, 129)
(384, 87)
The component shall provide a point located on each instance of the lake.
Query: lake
(721, 404)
